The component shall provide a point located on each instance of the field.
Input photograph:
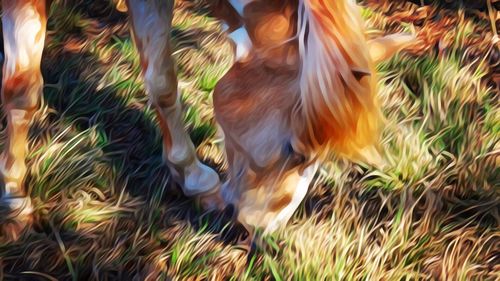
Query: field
(105, 208)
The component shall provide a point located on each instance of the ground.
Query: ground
(104, 206)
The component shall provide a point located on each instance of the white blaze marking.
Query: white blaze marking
(300, 192)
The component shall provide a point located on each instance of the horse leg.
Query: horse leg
(24, 24)
(151, 21)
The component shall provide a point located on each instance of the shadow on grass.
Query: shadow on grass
(133, 238)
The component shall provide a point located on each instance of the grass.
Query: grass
(105, 207)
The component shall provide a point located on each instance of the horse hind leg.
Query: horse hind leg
(24, 25)
(151, 22)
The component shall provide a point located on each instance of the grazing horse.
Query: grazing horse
(302, 85)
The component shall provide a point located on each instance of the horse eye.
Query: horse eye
(294, 157)
(360, 73)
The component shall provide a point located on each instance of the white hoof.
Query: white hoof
(199, 178)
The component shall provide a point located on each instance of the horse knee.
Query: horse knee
(161, 86)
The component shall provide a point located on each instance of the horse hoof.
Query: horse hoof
(15, 217)
(199, 179)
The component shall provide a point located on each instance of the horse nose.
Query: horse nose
(230, 211)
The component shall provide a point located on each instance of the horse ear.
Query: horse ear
(121, 6)
(385, 47)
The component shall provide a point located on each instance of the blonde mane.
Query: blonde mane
(337, 78)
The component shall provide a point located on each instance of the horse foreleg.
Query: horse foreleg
(24, 24)
(151, 22)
